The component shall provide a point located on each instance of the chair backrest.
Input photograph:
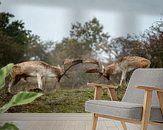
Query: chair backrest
(147, 77)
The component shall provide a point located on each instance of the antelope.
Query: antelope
(37, 69)
(123, 65)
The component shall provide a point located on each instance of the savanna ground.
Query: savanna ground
(65, 100)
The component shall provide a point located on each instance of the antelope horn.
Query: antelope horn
(91, 61)
(67, 76)
(72, 61)
(95, 70)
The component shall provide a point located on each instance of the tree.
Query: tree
(154, 43)
(149, 45)
(10, 51)
(37, 49)
(14, 39)
(91, 35)
(18, 44)
(69, 48)
(84, 41)
(14, 29)
(130, 45)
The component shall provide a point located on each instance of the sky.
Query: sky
(52, 19)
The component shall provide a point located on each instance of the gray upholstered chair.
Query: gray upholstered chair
(141, 104)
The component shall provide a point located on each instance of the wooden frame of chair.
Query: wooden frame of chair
(146, 106)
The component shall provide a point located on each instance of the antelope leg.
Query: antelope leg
(123, 77)
(39, 81)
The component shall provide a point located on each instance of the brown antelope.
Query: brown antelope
(37, 69)
(123, 65)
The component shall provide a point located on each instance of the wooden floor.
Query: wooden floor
(57, 121)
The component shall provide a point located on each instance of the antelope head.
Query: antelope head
(58, 70)
(98, 68)
(105, 71)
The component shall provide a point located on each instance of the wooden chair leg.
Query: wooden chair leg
(146, 110)
(112, 94)
(94, 123)
(160, 98)
(124, 125)
(97, 93)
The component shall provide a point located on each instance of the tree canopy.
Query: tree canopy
(149, 45)
(17, 43)
(14, 39)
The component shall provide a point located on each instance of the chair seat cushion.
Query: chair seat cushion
(125, 110)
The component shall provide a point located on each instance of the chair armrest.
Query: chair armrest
(102, 85)
(99, 87)
(148, 101)
(147, 88)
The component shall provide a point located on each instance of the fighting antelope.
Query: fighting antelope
(123, 65)
(37, 69)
